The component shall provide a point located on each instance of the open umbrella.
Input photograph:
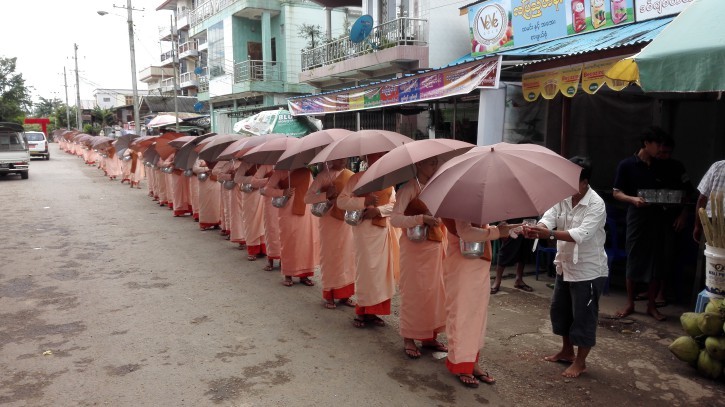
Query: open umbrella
(398, 165)
(240, 147)
(186, 156)
(101, 142)
(302, 153)
(163, 148)
(269, 151)
(216, 144)
(500, 181)
(277, 121)
(122, 143)
(361, 143)
(687, 56)
(162, 120)
(179, 142)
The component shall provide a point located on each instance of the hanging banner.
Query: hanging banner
(549, 83)
(416, 88)
(497, 25)
(593, 76)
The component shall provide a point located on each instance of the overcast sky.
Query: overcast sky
(41, 34)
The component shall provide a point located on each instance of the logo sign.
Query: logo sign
(490, 24)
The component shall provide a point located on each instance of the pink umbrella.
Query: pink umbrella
(216, 144)
(186, 156)
(361, 143)
(177, 143)
(398, 165)
(239, 147)
(500, 181)
(269, 151)
(309, 146)
(256, 141)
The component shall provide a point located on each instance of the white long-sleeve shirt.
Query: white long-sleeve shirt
(585, 258)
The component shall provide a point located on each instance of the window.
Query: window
(129, 100)
(215, 34)
(106, 99)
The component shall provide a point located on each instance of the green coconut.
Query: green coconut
(715, 305)
(710, 323)
(689, 324)
(715, 347)
(685, 348)
(708, 366)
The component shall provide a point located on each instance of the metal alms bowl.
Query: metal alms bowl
(127, 158)
(246, 188)
(354, 218)
(167, 170)
(418, 233)
(228, 184)
(188, 173)
(471, 250)
(280, 201)
(203, 176)
(321, 208)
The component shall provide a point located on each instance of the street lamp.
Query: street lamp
(132, 48)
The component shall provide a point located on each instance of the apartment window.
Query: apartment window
(129, 100)
(215, 34)
(274, 50)
(106, 99)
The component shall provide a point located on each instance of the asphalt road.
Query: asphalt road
(106, 299)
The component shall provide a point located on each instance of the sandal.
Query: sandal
(251, 257)
(412, 352)
(288, 283)
(358, 322)
(376, 320)
(468, 380)
(494, 290)
(347, 302)
(485, 377)
(330, 304)
(306, 281)
(435, 345)
(523, 287)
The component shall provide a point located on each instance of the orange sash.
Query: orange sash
(134, 159)
(383, 198)
(417, 207)
(300, 181)
(339, 184)
(487, 252)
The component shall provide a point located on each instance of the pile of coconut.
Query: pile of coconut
(704, 345)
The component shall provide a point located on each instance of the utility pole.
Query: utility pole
(67, 108)
(175, 60)
(132, 47)
(79, 122)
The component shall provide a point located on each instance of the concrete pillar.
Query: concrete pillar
(266, 36)
(491, 109)
(328, 23)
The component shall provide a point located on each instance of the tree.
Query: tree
(103, 117)
(14, 96)
(46, 107)
(312, 33)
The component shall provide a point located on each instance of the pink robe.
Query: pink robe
(160, 185)
(208, 198)
(337, 251)
(468, 290)
(125, 170)
(422, 297)
(182, 195)
(299, 234)
(376, 254)
(271, 215)
(140, 171)
(225, 197)
(253, 213)
(194, 193)
(237, 229)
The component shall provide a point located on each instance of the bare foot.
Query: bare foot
(574, 370)
(347, 302)
(482, 375)
(411, 350)
(625, 312)
(654, 313)
(561, 357)
(330, 305)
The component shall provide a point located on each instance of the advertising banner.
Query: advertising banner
(418, 88)
(497, 25)
(649, 9)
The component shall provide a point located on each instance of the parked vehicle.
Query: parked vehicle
(37, 144)
(14, 154)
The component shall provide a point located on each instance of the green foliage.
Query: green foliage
(102, 117)
(14, 96)
(311, 32)
(46, 107)
(88, 128)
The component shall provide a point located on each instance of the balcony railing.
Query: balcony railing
(203, 84)
(187, 79)
(254, 70)
(401, 31)
(208, 9)
(188, 48)
(166, 56)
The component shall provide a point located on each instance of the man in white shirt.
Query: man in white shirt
(577, 225)
(712, 181)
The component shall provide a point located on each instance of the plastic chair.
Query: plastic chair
(613, 250)
(549, 252)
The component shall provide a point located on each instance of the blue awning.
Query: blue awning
(593, 41)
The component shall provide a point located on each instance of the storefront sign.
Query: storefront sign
(649, 9)
(428, 86)
(566, 80)
(496, 25)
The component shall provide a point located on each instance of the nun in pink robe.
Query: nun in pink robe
(126, 167)
(422, 297)
(253, 211)
(138, 170)
(160, 184)
(194, 193)
(168, 181)
(271, 217)
(209, 195)
(337, 251)
(225, 197)
(376, 250)
(298, 229)
(237, 229)
(468, 289)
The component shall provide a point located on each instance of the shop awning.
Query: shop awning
(687, 56)
(424, 86)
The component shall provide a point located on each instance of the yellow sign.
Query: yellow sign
(549, 83)
(593, 76)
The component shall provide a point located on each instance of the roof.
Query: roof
(592, 41)
(166, 103)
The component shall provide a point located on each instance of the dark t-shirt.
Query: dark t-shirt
(634, 174)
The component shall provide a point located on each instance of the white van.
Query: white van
(37, 144)
(14, 154)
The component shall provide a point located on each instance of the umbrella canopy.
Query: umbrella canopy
(163, 148)
(101, 142)
(269, 151)
(687, 56)
(216, 144)
(361, 143)
(398, 165)
(122, 143)
(499, 182)
(302, 153)
(187, 155)
(277, 121)
(162, 120)
(150, 155)
(240, 147)
(142, 143)
(179, 142)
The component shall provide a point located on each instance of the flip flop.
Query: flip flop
(560, 360)
(473, 384)
(347, 302)
(375, 320)
(437, 346)
(524, 287)
(306, 281)
(288, 283)
(485, 377)
(494, 290)
(413, 353)
(329, 305)
(358, 322)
